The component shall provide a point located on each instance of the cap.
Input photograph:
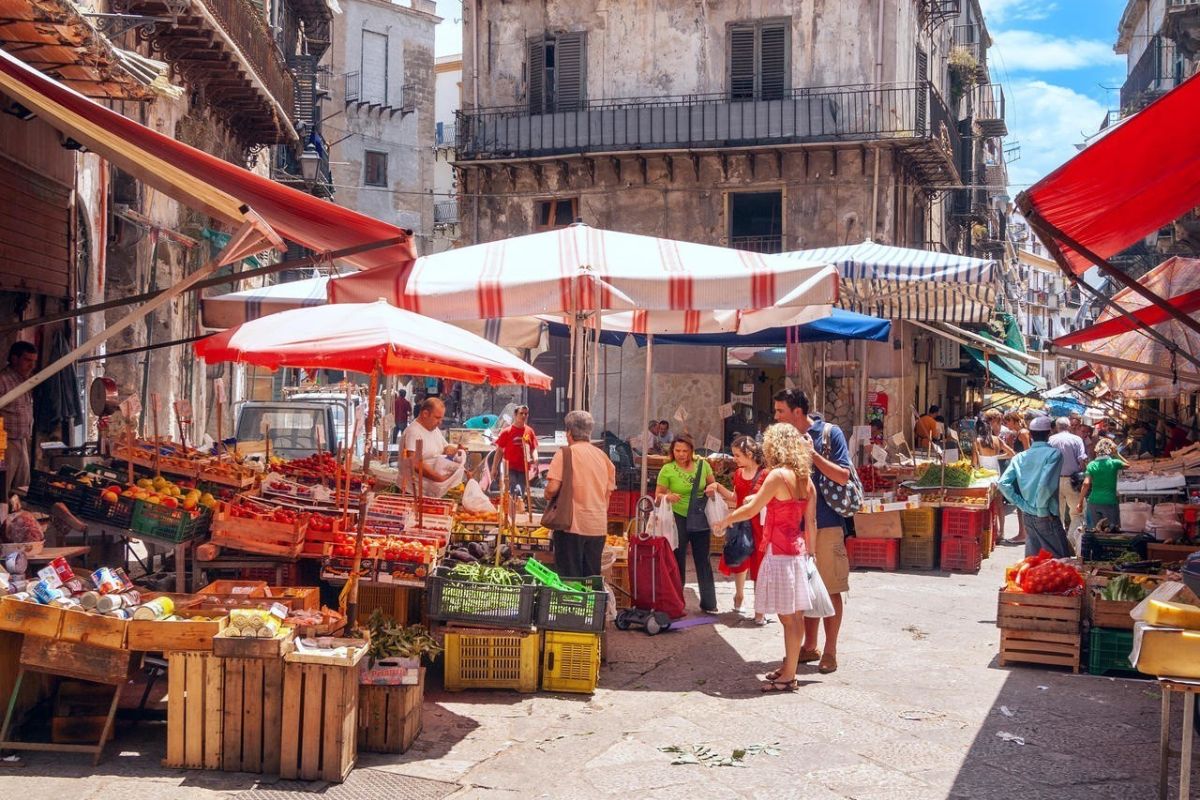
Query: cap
(1040, 423)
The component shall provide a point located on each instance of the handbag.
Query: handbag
(559, 513)
(697, 519)
(1077, 480)
(845, 499)
(739, 544)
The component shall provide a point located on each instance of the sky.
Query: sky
(1054, 57)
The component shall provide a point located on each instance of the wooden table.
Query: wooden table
(48, 554)
(1188, 688)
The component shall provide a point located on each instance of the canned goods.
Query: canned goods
(75, 586)
(66, 602)
(106, 582)
(89, 599)
(155, 609)
(15, 563)
(63, 569)
(44, 593)
(122, 578)
(26, 596)
(111, 602)
(120, 613)
(48, 575)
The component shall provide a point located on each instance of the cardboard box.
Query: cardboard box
(880, 525)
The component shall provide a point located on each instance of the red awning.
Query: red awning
(1176, 279)
(195, 178)
(1128, 183)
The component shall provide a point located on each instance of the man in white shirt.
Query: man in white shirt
(1074, 460)
(437, 475)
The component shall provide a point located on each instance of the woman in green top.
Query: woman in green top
(677, 484)
(1100, 486)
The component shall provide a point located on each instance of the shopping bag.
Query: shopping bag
(716, 509)
(654, 576)
(822, 604)
(475, 500)
(739, 544)
(662, 524)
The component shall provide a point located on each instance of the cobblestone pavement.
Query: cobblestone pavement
(916, 710)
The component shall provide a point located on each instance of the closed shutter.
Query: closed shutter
(374, 67)
(741, 62)
(569, 72)
(922, 123)
(304, 67)
(535, 76)
(773, 61)
(35, 248)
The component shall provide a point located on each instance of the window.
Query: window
(556, 73)
(374, 68)
(374, 168)
(558, 213)
(756, 221)
(759, 65)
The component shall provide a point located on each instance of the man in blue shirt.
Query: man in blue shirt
(829, 540)
(1031, 484)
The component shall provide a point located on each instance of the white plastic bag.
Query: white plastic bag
(822, 604)
(662, 523)
(438, 489)
(716, 509)
(475, 500)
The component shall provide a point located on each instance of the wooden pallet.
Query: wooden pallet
(389, 717)
(1039, 612)
(195, 710)
(320, 721)
(251, 714)
(1039, 647)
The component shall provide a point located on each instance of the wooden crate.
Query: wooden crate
(195, 710)
(29, 618)
(240, 588)
(401, 603)
(1040, 647)
(94, 629)
(1107, 613)
(320, 721)
(75, 660)
(265, 537)
(619, 579)
(389, 717)
(1039, 612)
(252, 699)
(227, 646)
(1169, 553)
(297, 598)
(182, 633)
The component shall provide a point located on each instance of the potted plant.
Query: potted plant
(395, 653)
(964, 72)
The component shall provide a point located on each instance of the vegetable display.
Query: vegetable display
(1043, 574)
(389, 640)
(957, 475)
(1125, 588)
(482, 573)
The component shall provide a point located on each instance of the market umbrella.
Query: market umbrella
(371, 338)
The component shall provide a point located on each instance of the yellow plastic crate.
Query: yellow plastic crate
(571, 662)
(483, 659)
(918, 523)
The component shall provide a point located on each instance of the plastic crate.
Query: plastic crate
(918, 523)
(1108, 651)
(573, 611)
(964, 523)
(961, 555)
(485, 659)
(570, 662)
(168, 524)
(873, 553)
(622, 503)
(1097, 547)
(118, 514)
(918, 553)
(291, 575)
(453, 600)
(43, 491)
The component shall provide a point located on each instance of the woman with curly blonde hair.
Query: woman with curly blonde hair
(783, 583)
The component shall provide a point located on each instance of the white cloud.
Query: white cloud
(1031, 51)
(1048, 121)
(1000, 11)
(448, 34)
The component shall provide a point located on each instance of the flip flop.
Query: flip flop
(781, 686)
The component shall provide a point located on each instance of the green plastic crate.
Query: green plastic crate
(169, 524)
(1108, 652)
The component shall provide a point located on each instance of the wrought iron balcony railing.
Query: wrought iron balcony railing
(912, 115)
(758, 244)
(445, 212)
(1154, 73)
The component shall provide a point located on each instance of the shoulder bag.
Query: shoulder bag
(739, 537)
(697, 520)
(847, 499)
(559, 513)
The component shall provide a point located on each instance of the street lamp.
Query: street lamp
(310, 161)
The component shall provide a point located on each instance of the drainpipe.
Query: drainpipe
(477, 14)
(878, 83)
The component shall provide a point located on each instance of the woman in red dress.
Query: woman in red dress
(747, 479)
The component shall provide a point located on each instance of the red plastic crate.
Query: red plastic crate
(961, 555)
(964, 523)
(622, 503)
(873, 553)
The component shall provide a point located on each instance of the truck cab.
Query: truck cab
(295, 429)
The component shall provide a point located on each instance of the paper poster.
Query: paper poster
(745, 399)
(726, 410)
(681, 414)
(560, 438)
(712, 443)
(898, 439)
(748, 387)
(949, 455)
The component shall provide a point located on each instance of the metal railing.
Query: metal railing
(445, 133)
(352, 86)
(1153, 73)
(772, 243)
(245, 26)
(445, 212)
(837, 114)
(989, 101)
(969, 38)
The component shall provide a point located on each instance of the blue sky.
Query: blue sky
(1054, 57)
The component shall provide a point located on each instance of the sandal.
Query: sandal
(827, 666)
(761, 621)
(808, 656)
(781, 686)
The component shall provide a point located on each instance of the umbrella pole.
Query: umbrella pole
(646, 413)
(352, 603)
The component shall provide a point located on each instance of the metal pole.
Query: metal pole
(352, 602)
(646, 412)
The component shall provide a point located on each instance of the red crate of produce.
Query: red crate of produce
(964, 523)
(961, 555)
(873, 553)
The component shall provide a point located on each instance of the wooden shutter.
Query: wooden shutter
(570, 66)
(535, 76)
(922, 104)
(741, 62)
(772, 59)
(304, 67)
(374, 68)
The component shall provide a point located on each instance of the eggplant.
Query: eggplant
(477, 549)
(462, 555)
(505, 552)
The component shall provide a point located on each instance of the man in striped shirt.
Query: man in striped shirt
(17, 415)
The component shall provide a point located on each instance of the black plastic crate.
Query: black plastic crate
(47, 488)
(96, 508)
(455, 600)
(1098, 547)
(582, 612)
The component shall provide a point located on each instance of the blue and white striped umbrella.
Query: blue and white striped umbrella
(902, 283)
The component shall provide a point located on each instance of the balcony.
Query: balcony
(445, 212)
(286, 169)
(913, 118)
(378, 98)
(1155, 73)
(1182, 26)
(758, 244)
(989, 109)
(226, 48)
(445, 134)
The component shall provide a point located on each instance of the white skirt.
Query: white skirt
(782, 585)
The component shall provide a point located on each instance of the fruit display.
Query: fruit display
(319, 468)
(1043, 574)
(172, 458)
(160, 491)
(478, 517)
(390, 548)
(243, 508)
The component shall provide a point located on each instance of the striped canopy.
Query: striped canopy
(903, 283)
(581, 269)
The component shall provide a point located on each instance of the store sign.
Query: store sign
(945, 354)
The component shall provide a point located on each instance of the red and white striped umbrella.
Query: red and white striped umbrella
(580, 269)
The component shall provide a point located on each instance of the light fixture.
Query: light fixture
(309, 162)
